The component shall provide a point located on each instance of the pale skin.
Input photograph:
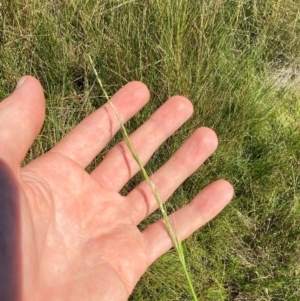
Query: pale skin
(79, 235)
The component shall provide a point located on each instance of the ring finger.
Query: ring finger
(195, 150)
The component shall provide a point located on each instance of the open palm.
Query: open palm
(79, 238)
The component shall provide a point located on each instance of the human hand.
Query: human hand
(70, 235)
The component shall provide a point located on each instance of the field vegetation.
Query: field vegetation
(238, 61)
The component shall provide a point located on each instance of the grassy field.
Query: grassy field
(239, 63)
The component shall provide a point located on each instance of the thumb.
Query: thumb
(21, 118)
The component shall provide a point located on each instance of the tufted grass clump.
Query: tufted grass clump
(238, 62)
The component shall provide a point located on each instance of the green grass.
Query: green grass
(226, 57)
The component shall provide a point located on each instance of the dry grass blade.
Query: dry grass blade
(175, 239)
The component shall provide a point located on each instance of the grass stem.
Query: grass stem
(175, 239)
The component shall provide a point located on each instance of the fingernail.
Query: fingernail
(21, 82)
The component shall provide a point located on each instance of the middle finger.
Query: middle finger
(119, 166)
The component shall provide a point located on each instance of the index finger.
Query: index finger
(92, 134)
